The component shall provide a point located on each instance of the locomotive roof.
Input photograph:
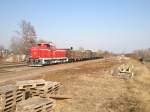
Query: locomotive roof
(43, 43)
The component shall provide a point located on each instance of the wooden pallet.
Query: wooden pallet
(38, 87)
(9, 96)
(49, 88)
(27, 84)
(36, 104)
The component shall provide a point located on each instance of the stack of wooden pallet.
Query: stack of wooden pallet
(9, 97)
(28, 84)
(39, 87)
(12, 96)
(36, 104)
(124, 71)
(48, 88)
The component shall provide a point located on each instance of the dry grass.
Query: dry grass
(93, 89)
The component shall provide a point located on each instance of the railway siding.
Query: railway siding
(2, 66)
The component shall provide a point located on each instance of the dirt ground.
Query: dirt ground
(91, 85)
(94, 89)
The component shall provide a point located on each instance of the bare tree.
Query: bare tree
(24, 39)
(1, 47)
(15, 45)
(28, 35)
(140, 53)
(1, 51)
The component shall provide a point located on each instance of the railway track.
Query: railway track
(12, 65)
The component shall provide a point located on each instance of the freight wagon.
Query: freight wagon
(77, 55)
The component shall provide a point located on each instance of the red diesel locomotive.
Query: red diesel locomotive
(47, 53)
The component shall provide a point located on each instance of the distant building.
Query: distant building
(4, 53)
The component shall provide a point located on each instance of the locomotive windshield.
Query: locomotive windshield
(46, 46)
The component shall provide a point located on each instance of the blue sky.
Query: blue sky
(114, 25)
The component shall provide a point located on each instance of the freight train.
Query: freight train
(47, 53)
